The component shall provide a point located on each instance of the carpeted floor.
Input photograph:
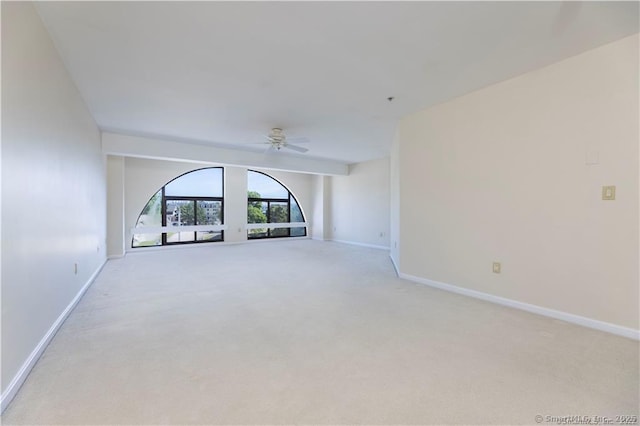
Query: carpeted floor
(302, 331)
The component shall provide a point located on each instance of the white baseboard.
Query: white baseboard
(30, 362)
(547, 312)
(395, 265)
(354, 243)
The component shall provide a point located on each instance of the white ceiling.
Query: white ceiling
(224, 73)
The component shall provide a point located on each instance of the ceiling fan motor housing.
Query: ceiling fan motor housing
(277, 138)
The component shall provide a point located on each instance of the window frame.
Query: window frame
(163, 211)
(195, 200)
(270, 200)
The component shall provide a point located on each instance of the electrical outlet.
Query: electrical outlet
(592, 157)
(497, 267)
(609, 192)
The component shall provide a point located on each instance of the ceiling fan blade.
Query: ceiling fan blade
(296, 148)
(298, 140)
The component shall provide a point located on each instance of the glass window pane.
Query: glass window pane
(278, 212)
(257, 212)
(279, 232)
(296, 213)
(209, 235)
(151, 213)
(209, 212)
(298, 232)
(146, 240)
(180, 213)
(257, 233)
(199, 183)
(180, 237)
(263, 186)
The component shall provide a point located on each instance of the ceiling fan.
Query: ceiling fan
(277, 139)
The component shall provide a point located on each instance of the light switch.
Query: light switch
(497, 267)
(609, 192)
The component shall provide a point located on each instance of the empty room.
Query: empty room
(320, 212)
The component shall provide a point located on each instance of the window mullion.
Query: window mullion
(268, 218)
(163, 210)
(195, 219)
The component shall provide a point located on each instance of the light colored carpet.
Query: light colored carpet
(311, 332)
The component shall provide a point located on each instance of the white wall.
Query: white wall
(144, 177)
(394, 201)
(359, 210)
(317, 207)
(500, 175)
(321, 207)
(53, 190)
(115, 207)
(235, 204)
(327, 207)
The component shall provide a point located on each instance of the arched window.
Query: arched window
(270, 202)
(188, 209)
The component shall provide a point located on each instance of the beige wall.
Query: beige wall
(359, 205)
(500, 175)
(53, 191)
